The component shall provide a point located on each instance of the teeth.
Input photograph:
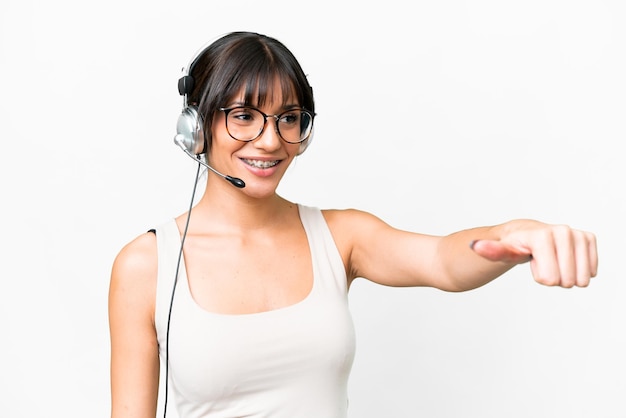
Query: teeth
(261, 164)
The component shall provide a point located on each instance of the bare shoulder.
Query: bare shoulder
(351, 221)
(353, 230)
(138, 257)
(134, 272)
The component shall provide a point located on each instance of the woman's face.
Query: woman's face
(260, 163)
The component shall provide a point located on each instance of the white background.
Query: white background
(434, 115)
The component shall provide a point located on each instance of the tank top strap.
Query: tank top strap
(328, 265)
(168, 249)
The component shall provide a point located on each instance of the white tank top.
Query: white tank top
(291, 362)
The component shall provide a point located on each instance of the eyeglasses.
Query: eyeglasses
(246, 124)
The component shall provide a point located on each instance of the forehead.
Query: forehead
(272, 91)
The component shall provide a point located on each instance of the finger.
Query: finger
(583, 272)
(545, 265)
(499, 251)
(586, 258)
(593, 254)
(567, 242)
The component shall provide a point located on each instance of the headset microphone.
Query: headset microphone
(237, 182)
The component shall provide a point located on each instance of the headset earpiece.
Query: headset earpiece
(185, 85)
(190, 130)
(190, 126)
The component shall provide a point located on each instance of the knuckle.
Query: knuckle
(548, 281)
(562, 232)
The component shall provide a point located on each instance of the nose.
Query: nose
(269, 139)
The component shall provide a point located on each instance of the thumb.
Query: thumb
(500, 251)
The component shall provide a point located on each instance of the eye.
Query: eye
(244, 115)
(290, 118)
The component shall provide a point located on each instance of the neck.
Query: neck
(229, 208)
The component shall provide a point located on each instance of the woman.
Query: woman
(251, 319)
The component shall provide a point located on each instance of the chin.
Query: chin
(260, 189)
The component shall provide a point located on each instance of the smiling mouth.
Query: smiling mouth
(260, 164)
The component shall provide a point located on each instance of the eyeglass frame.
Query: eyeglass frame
(227, 110)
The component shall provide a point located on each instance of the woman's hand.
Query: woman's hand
(558, 254)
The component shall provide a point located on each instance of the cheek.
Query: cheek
(223, 146)
(219, 139)
(218, 128)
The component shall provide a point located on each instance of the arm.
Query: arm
(134, 348)
(463, 260)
